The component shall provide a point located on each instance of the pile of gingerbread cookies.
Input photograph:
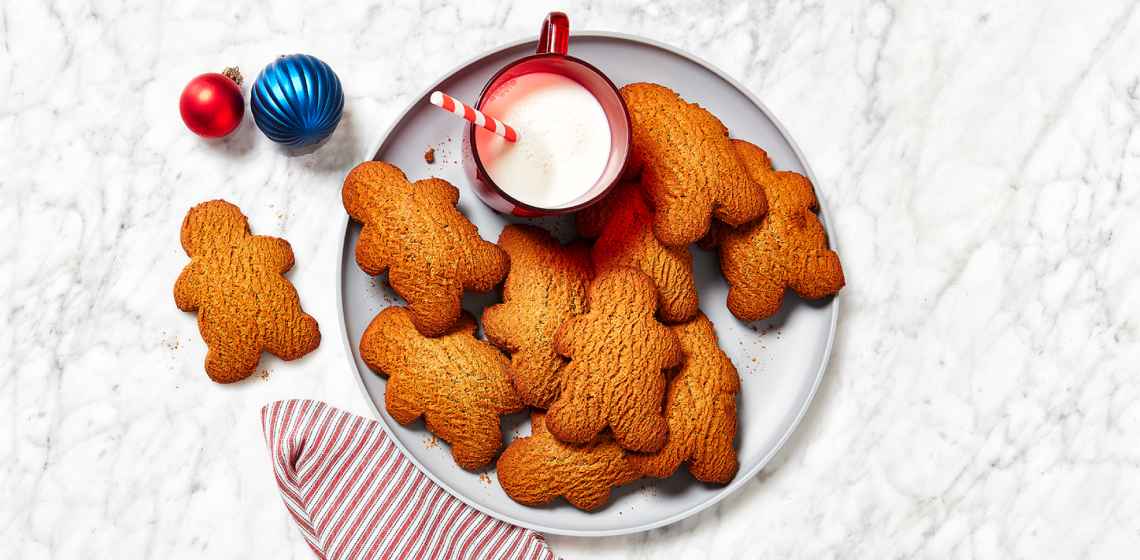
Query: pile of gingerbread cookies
(601, 338)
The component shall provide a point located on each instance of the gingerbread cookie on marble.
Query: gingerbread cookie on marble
(700, 407)
(456, 382)
(617, 352)
(688, 166)
(414, 231)
(235, 281)
(535, 470)
(786, 249)
(546, 285)
(623, 224)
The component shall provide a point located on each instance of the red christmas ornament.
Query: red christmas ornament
(212, 104)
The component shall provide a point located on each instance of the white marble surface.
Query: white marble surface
(981, 165)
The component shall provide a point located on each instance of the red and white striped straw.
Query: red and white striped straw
(473, 115)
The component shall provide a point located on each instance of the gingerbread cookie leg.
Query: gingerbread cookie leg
(481, 443)
(231, 355)
(640, 426)
(617, 352)
(715, 460)
(534, 373)
(576, 417)
(433, 310)
(815, 276)
(757, 298)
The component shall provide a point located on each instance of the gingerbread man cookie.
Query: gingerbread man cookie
(235, 282)
(414, 231)
(456, 382)
(535, 470)
(617, 353)
(546, 285)
(786, 249)
(688, 166)
(700, 407)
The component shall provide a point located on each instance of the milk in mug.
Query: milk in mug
(563, 140)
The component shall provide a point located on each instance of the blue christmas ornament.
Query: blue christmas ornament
(297, 100)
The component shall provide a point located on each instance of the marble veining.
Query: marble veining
(980, 164)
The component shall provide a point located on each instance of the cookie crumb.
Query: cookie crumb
(263, 375)
(431, 442)
(429, 155)
(484, 478)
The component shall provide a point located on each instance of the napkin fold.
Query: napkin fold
(354, 494)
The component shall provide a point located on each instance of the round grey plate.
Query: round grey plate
(781, 360)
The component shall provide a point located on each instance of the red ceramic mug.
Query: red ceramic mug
(552, 57)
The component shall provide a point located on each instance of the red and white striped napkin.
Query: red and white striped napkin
(354, 495)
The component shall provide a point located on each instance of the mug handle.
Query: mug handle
(555, 35)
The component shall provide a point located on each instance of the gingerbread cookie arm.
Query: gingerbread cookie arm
(678, 225)
(817, 275)
(437, 189)
(274, 250)
(433, 311)
(402, 400)
(756, 297)
(369, 250)
(186, 288)
(489, 265)
(298, 335)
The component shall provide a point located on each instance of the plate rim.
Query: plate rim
(741, 478)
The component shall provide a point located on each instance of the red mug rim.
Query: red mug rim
(482, 171)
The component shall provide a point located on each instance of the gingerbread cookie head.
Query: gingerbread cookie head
(617, 353)
(623, 224)
(457, 383)
(535, 470)
(688, 166)
(546, 285)
(414, 231)
(786, 249)
(235, 282)
(700, 407)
